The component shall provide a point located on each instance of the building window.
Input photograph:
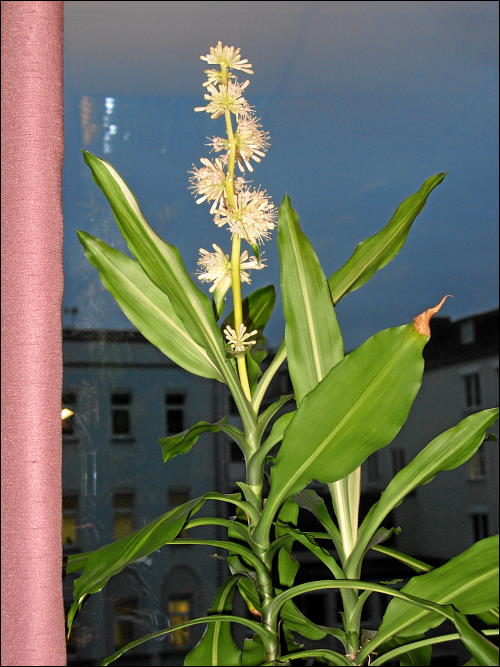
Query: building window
(480, 525)
(120, 414)
(179, 609)
(398, 459)
(176, 498)
(175, 411)
(467, 333)
(69, 522)
(372, 467)
(124, 626)
(477, 465)
(123, 514)
(472, 387)
(68, 427)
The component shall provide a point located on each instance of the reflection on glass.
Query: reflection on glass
(125, 613)
(123, 514)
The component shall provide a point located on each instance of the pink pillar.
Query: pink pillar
(32, 285)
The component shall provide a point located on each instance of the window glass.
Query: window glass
(338, 95)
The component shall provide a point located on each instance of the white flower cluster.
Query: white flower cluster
(247, 212)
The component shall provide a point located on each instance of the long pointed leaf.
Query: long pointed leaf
(255, 627)
(469, 582)
(313, 339)
(160, 260)
(447, 451)
(480, 648)
(375, 252)
(356, 409)
(181, 443)
(147, 307)
(110, 559)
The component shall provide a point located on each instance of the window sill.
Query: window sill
(122, 439)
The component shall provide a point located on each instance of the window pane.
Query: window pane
(125, 612)
(121, 422)
(120, 399)
(175, 421)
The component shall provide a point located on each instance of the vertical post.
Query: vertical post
(32, 285)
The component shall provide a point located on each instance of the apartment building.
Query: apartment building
(126, 394)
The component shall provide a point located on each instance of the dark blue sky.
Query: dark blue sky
(363, 101)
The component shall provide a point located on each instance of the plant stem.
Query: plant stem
(236, 246)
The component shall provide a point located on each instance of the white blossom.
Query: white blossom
(227, 56)
(216, 267)
(225, 98)
(238, 341)
(252, 217)
(209, 181)
(251, 141)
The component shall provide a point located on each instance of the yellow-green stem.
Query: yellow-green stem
(236, 247)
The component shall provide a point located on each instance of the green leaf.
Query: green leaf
(147, 307)
(253, 652)
(217, 646)
(468, 581)
(255, 627)
(270, 412)
(287, 564)
(413, 563)
(313, 339)
(480, 648)
(447, 451)
(257, 308)
(375, 252)
(419, 657)
(181, 443)
(160, 260)
(313, 503)
(110, 559)
(356, 409)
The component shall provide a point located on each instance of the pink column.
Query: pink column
(32, 285)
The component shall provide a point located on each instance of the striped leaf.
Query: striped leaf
(447, 451)
(356, 409)
(375, 252)
(313, 339)
(469, 582)
(148, 308)
(160, 260)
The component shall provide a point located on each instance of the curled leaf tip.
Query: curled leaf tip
(421, 322)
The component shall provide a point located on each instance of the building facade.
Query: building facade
(126, 394)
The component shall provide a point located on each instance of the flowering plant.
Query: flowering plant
(345, 407)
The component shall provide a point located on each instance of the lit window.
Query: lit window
(123, 514)
(472, 387)
(68, 427)
(477, 465)
(124, 626)
(398, 459)
(120, 414)
(179, 609)
(69, 522)
(175, 411)
(480, 525)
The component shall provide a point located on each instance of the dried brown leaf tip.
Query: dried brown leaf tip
(421, 322)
